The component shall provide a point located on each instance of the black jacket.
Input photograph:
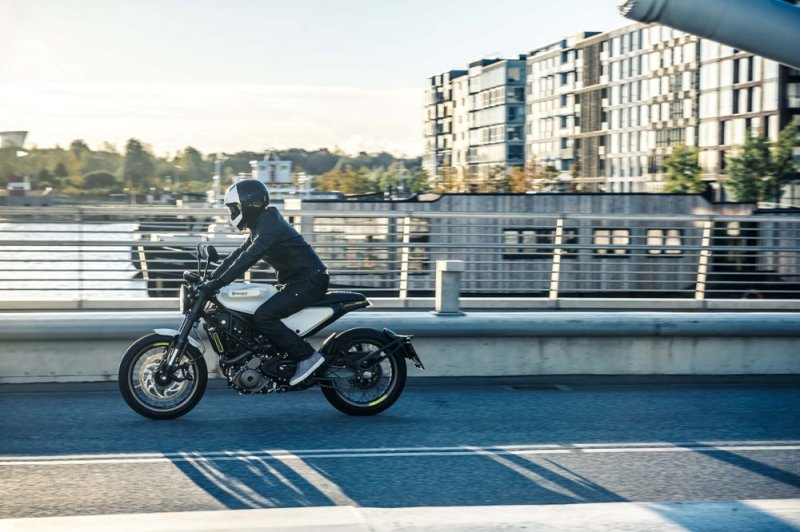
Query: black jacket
(274, 240)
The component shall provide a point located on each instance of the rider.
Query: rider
(299, 269)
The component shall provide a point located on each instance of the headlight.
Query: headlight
(184, 303)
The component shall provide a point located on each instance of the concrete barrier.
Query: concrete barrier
(87, 346)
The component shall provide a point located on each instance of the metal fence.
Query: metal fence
(129, 253)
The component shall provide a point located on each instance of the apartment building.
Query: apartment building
(461, 107)
(652, 103)
(496, 117)
(588, 172)
(553, 104)
(740, 91)
(438, 123)
(606, 109)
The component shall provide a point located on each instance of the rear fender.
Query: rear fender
(405, 345)
(396, 342)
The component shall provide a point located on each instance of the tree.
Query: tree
(397, 179)
(43, 179)
(543, 178)
(109, 147)
(498, 180)
(416, 181)
(78, 148)
(194, 167)
(100, 181)
(60, 171)
(346, 180)
(139, 167)
(446, 180)
(683, 171)
(785, 169)
(750, 170)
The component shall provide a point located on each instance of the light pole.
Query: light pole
(178, 169)
(217, 179)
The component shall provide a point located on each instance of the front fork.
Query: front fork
(179, 344)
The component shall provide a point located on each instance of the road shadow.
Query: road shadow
(472, 477)
(250, 481)
(754, 466)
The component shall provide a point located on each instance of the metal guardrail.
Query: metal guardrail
(128, 253)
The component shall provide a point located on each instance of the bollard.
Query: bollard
(448, 287)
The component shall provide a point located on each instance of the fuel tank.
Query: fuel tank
(770, 28)
(247, 297)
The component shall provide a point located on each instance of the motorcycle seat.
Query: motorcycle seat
(341, 297)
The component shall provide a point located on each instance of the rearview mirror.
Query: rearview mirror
(209, 253)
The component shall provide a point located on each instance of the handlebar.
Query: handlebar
(192, 278)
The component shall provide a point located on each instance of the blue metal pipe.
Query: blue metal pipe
(770, 28)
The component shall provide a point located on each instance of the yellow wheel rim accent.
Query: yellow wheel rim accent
(377, 401)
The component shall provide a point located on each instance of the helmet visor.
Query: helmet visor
(235, 210)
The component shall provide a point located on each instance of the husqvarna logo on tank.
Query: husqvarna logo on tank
(245, 293)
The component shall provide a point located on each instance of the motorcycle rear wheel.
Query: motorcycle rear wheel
(360, 394)
(144, 395)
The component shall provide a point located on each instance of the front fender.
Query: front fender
(173, 332)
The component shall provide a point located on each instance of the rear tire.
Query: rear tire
(140, 390)
(360, 395)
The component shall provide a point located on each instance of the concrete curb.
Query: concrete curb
(667, 516)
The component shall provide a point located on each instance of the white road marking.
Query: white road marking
(399, 452)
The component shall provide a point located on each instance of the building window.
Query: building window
(793, 95)
(611, 242)
(358, 252)
(515, 152)
(514, 133)
(664, 241)
(676, 111)
(538, 243)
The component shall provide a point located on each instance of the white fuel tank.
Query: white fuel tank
(247, 297)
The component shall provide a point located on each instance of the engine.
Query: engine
(256, 371)
(247, 378)
(251, 373)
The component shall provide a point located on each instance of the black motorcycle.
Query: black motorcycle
(164, 375)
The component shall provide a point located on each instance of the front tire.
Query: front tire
(360, 394)
(140, 389)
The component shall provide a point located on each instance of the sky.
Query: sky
(255, 74)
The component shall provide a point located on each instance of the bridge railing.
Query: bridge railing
(131, 256)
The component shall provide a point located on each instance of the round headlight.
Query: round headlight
(184, 299)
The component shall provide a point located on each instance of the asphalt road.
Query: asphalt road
(88, 453)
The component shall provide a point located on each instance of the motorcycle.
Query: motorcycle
(164, 375)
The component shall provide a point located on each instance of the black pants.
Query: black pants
(291, 298)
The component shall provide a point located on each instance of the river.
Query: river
(33, 265)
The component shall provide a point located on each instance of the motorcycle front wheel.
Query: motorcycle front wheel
(141, 389)
(364, 393)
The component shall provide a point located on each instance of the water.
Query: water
(70, 271)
